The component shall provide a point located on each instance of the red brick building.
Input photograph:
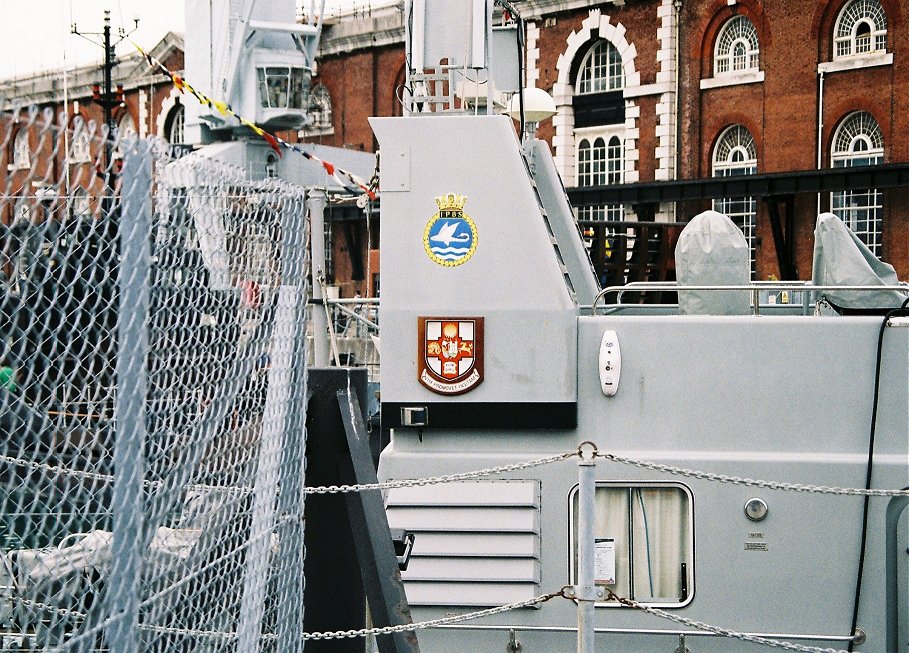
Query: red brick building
(767, 110)
(650, 91)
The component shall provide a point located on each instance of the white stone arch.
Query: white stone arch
(169, 102)
(563, 91)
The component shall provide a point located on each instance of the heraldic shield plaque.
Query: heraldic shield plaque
(450, 353)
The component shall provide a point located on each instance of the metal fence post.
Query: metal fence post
(316, 206)
(585, 591)
(282, 430)
(121, 593)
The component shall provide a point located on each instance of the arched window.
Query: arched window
(126, 129)
(860, 28)
(81, 206)
(80, 147)
(735, 154)
(601, 70)
(173, 125)
(21, 149)
(859, 142)
(736, 47)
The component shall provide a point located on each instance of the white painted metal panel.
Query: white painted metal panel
(472, 569)
(467, 519)
(469, 594)
(476, 543)
(497, 493)
(492, 545)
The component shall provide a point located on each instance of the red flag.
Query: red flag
(273, 142)
(329, 168)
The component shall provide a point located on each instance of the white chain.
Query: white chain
(738, 480)
(450, 478)
(725, 632)
(110, 478)
(387, 630)
(336, 634)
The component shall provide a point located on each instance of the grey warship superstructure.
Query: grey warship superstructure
(498, 349)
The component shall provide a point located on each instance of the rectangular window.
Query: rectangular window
(647, 529)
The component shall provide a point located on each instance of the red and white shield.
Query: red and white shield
(450, 359)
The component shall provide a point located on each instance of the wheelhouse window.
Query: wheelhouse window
(736, 155)
(283, 87)
(859, 142)
(861, 28)
(644, 541)
(737, 47)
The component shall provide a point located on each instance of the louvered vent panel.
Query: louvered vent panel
(477, 543)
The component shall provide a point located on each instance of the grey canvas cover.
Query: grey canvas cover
(712, 251)
(841, 259)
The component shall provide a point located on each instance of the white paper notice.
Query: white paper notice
(604, 561)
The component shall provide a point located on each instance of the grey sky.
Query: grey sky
(36, 36)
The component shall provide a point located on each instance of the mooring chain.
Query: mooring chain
(724, 632)
(436, 480)
(738, 480)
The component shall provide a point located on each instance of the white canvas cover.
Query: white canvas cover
(712, 251)
(841, 259)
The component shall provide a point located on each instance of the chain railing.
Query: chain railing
(152, 383)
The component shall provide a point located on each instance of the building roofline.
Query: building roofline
(131, 70)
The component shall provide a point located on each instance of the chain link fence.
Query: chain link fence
(152, 396)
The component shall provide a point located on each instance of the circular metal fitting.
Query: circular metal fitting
(756, 509)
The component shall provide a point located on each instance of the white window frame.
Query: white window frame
(601, 70)
(21, 151)
(630, 485)
(853, 15)
(81, 203)
(588, 178)
(729, 76)
(739, 158)
(80, 148)
(126, 127)
(175, 124)
(726, 43)
(319, 113)
(858, 141)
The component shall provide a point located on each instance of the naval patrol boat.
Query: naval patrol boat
(731, 442)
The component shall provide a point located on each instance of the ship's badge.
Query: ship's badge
(450, 360)
(450, 237)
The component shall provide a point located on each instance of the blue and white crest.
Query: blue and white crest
(450, 237)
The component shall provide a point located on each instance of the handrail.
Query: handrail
(754, 288)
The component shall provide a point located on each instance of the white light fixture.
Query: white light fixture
(538, 106)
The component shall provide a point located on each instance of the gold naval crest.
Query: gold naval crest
(450, 237)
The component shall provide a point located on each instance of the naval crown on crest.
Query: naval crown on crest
(451, 202)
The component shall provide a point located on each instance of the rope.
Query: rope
(725, 632)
